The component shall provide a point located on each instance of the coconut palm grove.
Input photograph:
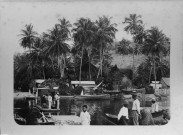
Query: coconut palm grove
(87, 50)
(50, 55)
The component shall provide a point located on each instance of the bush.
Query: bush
(149, 90)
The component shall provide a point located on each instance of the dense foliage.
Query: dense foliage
(49, 55)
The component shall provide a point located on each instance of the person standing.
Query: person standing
(57, 101)
(49, 101)
(135, 110)
(123, 114)
(154, 106)
(85, 116)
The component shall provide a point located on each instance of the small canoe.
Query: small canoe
(114, 118)
(93, 97)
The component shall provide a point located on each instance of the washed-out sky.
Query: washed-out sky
(43, 16)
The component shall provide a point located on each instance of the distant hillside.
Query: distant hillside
(126, 61)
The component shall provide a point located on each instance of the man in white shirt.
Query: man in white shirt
(49, 101)
(154, 106)
(85, 116)
(135, 110)
(123, 114)
(57, 100)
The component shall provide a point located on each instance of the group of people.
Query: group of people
(48, 101)
(145, 117)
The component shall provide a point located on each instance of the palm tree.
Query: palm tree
(155, 46)
(82, 34)
(105, 34)
(37, 55)
(56, 43)
(123, 47)
(28, 36)
(89, 51)
(134, 24)
(162, 68)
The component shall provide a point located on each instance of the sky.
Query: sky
(44, 15)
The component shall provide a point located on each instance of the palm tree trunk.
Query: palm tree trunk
(98, 72)
(43, 74)
(100, 68)
(52, 64)
(150, 75)
(101, 59)
(154, 71)
(102, 62)
(63, 65)
(133, 69)
(89, 67)
(59, 66)
(81, 64)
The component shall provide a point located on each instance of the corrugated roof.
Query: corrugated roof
(83, 82)
(166, 80)
(39, 80)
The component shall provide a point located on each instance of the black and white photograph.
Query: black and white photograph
(90, 63)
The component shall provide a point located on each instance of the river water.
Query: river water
(97, 108)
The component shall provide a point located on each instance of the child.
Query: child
(85, 116)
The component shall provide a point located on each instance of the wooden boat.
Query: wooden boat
(111, 91)
(66, 97)
(46, 109)
(130, 91)
(114, 118)
(93, 97)
(87, 97)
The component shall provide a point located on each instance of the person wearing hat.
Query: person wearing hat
(135, 109)
(123, 114)
(154, 106)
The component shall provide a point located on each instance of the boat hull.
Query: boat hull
(87, 97)
(93, 97)
(46, 109)
(114, 118)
